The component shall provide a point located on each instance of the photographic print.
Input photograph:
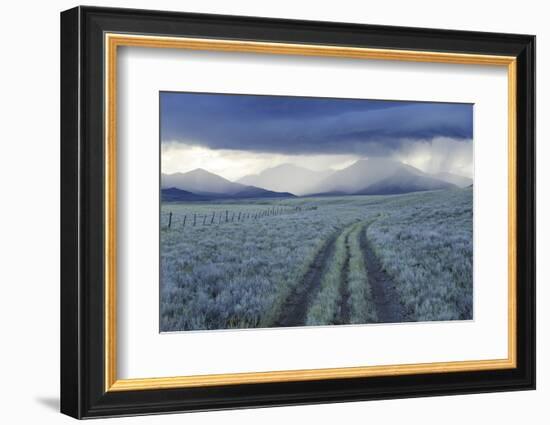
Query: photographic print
(283, 211)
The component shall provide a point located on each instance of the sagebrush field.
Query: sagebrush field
(316, 261)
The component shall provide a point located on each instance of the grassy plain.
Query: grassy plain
(231, 265)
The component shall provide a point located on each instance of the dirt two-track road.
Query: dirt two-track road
(384, 295)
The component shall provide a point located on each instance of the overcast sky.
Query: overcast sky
(235, 135)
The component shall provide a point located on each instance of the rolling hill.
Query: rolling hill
(173, 194)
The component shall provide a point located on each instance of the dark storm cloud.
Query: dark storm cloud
(299, 125)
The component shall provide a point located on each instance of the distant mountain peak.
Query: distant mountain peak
(286, 178)
(202, 171)
(287, 166)
(377, 160)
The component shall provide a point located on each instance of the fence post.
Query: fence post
(184, 219)
(170, 219)
(204, 220)
(226, 216)
(194, 219)
(213, 215)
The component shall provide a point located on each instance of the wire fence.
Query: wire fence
(170, 220)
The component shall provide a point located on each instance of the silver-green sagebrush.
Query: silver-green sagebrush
(233, 264)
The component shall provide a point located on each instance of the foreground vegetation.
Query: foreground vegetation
(235, 265)
(427, 247)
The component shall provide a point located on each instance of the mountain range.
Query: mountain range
(201, 185)
(373, 176)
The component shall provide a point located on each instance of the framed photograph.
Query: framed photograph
(261, 212)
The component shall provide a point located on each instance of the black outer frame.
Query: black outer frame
(82, 219)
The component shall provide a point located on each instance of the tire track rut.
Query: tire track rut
(343, 316)
(384, 294)
(295, 308)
